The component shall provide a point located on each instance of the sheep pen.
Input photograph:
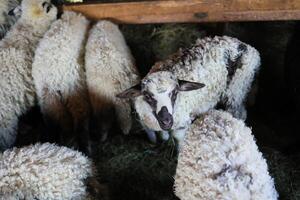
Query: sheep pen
(133, 168)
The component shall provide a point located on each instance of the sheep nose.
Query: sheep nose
(165, 119)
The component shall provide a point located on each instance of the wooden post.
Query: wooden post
(190, 11)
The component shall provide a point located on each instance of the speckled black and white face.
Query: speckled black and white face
(160, 90)
(157, 96)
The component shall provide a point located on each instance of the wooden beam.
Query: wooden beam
(190, 11)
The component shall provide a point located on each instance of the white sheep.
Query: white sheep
(45, 172)
(59, 78)
(170, 96)
(17, 93)
(220, 160)
(110, 69)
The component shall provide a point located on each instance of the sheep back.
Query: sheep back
(43, 171)
(110, 69)
(220, 160)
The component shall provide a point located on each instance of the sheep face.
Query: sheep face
(38, 12)
(156, 98)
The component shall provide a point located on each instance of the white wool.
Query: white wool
(110, 69)
(205, 62)
(58, 72)
(17, 93)
(220, 160)
(44, 172)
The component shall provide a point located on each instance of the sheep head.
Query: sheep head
(156, 96)
(37, 13)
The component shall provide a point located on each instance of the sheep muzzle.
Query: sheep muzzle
(164, 118)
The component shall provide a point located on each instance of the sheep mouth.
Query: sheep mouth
(165, 120)
(165, 125)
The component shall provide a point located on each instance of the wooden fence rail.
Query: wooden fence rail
(190, 11)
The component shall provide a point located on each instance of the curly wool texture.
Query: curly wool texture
(225, 65)
(43, 171)
(58, 73)
(17, 93)
(220, 160)
(110, 69)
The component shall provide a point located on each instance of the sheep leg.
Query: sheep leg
(123, 112)
(103, 122)
(103, 116)
(179, 136)
(78, 107)
(56, 118)
(164, 135)
(81, 129)
(151, 135)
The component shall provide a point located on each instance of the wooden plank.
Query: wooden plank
(190, 11)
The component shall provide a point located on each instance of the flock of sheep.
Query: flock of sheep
(78, 74)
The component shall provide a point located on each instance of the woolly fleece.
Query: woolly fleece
(110, 69)
(220, 160)
(43, 171)
(17, 93)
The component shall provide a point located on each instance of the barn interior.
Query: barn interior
(134, 168)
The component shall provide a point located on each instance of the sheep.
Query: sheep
(220, 160)
(170, 96)
(60, 81)
(110, 69)
(46, 171)
(17, 93)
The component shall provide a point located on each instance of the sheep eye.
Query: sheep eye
(150, 100)
(148, 97)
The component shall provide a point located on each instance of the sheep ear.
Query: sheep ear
(189, 86)
(17, 11)
(132, 92)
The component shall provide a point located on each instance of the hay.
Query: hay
(135, 169)
(151, 43)
(167, 39)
